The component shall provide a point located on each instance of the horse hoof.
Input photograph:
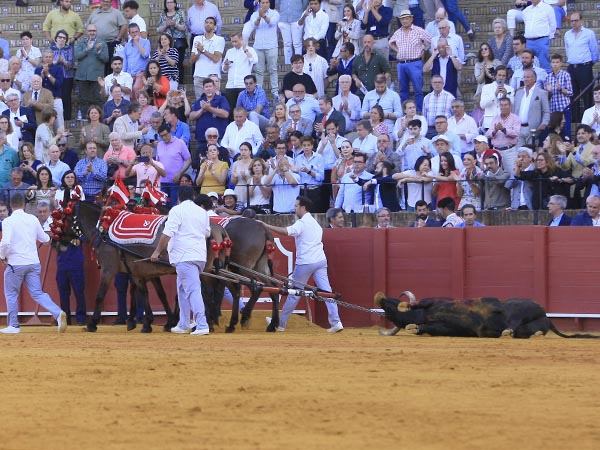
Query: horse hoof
(131, 325)
(245, 324)
(229, 329)
(91, 327)
(167, 328)
(508, 333)
(146, 329)
(271, 329)
(412, 328)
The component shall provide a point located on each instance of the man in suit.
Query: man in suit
(296, 123)
(590, 217)
(556, 208)
(128, 125)
(328, 113)
(38, 99)
(532, 107)
(423, 219)
(22, 119)
(492, 93)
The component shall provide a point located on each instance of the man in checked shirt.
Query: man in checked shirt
(560, 90)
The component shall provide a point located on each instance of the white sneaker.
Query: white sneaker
(336, 328)
(62, 322)
(10, 330)
(178, 330)
(269, 320)
(200, 332)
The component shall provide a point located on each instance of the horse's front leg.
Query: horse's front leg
(105, 279)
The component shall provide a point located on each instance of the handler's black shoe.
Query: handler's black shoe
(119, 322)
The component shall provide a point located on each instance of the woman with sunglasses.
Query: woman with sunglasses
(315, 66)
(64, 57)
(485, 67)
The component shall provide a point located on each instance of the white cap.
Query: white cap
(229, 192)
(213, 194)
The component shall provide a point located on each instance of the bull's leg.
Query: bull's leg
(162, 295)
(538, 327)
(105, 279)
(444, 329)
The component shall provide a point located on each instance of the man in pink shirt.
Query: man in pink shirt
(504, 134)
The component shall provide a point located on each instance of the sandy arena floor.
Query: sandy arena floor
(302, 389)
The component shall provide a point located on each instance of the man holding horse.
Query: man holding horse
(184, 236)
(310, 261)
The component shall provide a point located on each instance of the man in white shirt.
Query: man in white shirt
(130, 11)
(264, 21)
(19, 254)
(310, 262)
(351, 196)
(237, 64)
(446, 207)
(117, 77)
(316, 23)
(184, 236)
(347, 103)
(463, 126)
(384, 97)
(492, 93)
(540, 25)
(55, 165)
(366, 141)
(206, 55)
(591, 116)
(239, 131)
(308, 105)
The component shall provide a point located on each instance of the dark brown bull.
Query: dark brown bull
(480, 317)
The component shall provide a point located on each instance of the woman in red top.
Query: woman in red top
(157, 85)
(445, 185)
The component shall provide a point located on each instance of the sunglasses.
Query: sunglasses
(5, 80)
(213, 136)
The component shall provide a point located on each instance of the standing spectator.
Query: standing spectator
(239, 131)
(501, 42)
(316, 23)
(455, 42)
(560, 90)
(492, 93)
(197, 15)
(172, 22)
(456, 14)
(264, 20)
(116, 107)
(176, 159)
(117, 77)
(207, 53)
(41, 191)
(213, 172)
(130, 11)
(297, 76)
(377, 21)
(485, 67)
(64, 57)
(333, 9)
(52, 79)
(347, 30)
(22, 120)
(44, 135)
(443, 63)
(296, 123)
(436, 103)
(521, 192)
(111, 27)
(56, 167)
(291, 11)
(504, 133)
(408, 42)
(342, 166)
(156, 84)
(463, 126)
(342, 65)
(582, 53)
(308, 105)
(95, 130)
(91, 172)
(445, 181)
(591, 116)
(31, 57)
(91, 54)
(62, 19)
(254, 100)
(167, 57)
(311, 171)
(351, 196)
(135, 58)
(210, 110)
(315, 65)
(384, 97)
(540, 25)
(128, 128)
(240, 172)
(20, 232)
(29, 164)
(532, 107)
(418, 180)
(179, 128)
(283, 180)
(547, 180)
(237, 64)
(496, 196)
(20, 79)
(368, 65)
(347, 103)
(468, 188)
(146, 169)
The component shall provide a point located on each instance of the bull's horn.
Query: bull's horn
(410, 296)
(378, 298)
(391, 332)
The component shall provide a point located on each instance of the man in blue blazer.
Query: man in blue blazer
(21, 117)
(423, 219)
(556, 207)
(591, 217)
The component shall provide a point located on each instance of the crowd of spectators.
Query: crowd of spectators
(377, 143)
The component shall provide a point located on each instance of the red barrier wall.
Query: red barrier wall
(557, 267)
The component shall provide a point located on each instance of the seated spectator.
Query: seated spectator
(527, 62)
(95, 130)
(386, 192)
(445, 64)
(591, 116)
(376, 118)
(577, 160)
(446, 208)
(496, 196)
(591, 216)
(44, 135)
(3, 61)
(556, 207)
(145, 169)
(176, 159)
(469, 215)
(308, 105)
(167, 57)
(385, 152)
(12, 138)
(468, 187)
(254, 100)
(418, 182)
(347, 103)
(213, 172)
(29, 164)
(312, 172)
(297, 76)
(296, 123)
(485, 67)
(387, 99)
(268, 146)
(43, 215)
(260, 192)
(335, 218)
(186, 180)
(128, 128)
(68, 156)
(212, 137)
(501, 42)
(118, 157)
(42, 190)
(31, 57)
(436, 103)
(423, 219)
(342, 166)
(22, 120)
(445, 184)
(179, 129)
(151, 137)
(231, 206)
(4, 213)
(9, 159)
(20, 79)
(327, 113)
(328, 146)
(239, 131)
(351, 196)
(115, 108)
(147, 109)
(279, 116)
(409, 108)
(315, 66)
(366, 142)
(432, 27)
(209, 110)
(547, 180)
(178, 100)
(558, 126)
(383, 217)
(521, 192)
(15, 185)
(117, 77)
(240, 172)
(55, 165)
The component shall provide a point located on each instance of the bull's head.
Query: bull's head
(395, 310)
